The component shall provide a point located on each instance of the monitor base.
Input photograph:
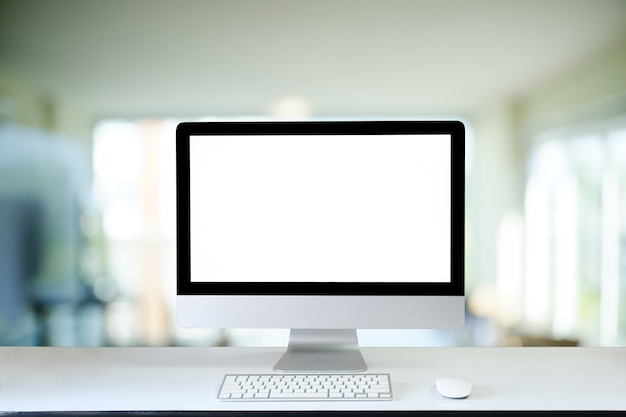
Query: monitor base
(322, 350)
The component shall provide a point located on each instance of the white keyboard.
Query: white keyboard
(305, 387)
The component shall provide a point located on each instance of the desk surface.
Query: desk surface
(148, 379)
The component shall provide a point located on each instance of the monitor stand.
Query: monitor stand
(322, 350)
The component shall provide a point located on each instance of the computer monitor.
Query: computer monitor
(322, 228)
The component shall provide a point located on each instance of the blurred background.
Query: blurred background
(91, 92)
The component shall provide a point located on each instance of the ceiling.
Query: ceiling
(344, 57)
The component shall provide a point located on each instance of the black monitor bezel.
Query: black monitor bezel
(187, 129)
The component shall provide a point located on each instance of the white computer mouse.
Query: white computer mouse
(453, 387)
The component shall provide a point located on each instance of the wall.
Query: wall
(24, 104)
(592, 91)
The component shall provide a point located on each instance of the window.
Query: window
(134, 184)
(575, 209)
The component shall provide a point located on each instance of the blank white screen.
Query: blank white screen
(320, 208)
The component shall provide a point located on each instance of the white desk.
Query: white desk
(123, 379)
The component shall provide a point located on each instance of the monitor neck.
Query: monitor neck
(322, 350)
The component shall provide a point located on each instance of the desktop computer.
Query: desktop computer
(321, 228)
